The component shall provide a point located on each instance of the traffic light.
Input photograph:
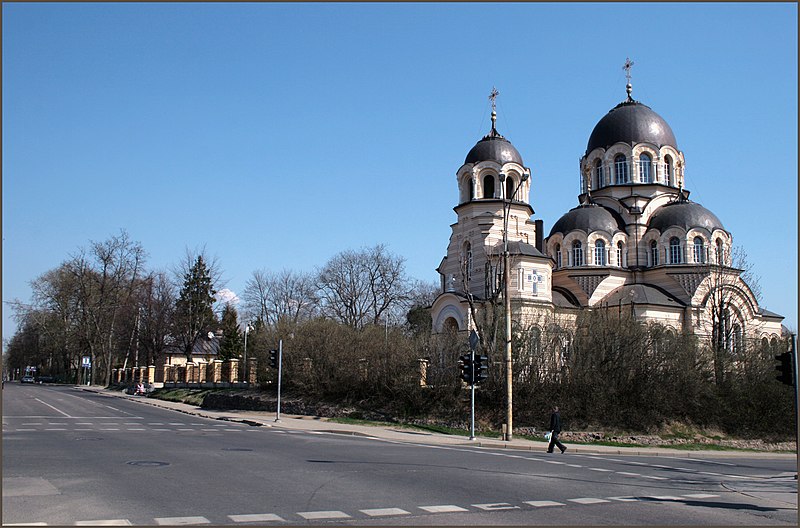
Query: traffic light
(273, 359)
(481, 368)
(466, 368)
(786, 368)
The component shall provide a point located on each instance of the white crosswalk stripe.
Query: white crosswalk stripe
(170, 521)
(588, 500)
(317, 515)
(543, 504)
(108, 522)
(256, 517)
(444, 508)
(383, 512)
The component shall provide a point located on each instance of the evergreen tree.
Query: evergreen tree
(232, 344)
(194, 316)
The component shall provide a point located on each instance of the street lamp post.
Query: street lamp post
(507, 301)
(247, 328)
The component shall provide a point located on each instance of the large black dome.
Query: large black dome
(631, 122)
(589, 218)
(494, 148)
(684, 214)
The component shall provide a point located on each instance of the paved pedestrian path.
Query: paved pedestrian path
(388, 432)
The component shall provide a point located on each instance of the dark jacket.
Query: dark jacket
(555, 422)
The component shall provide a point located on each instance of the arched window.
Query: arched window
(699, 251)
(488, 186)
(599, 253)
(577, 253)
(645, 168)
(738, 339)
(471, 190)
(668, 171)
(720, 253)
(598, 174)
(675, 251)
(653, 253)
(621, 169)
(621, 257)
(558, 255)
(509, 187)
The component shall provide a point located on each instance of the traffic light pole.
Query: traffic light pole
(472, 395)
(280, 365)
(796, 402)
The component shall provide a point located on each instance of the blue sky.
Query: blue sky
(277, 135)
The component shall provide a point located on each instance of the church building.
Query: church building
(635, 240)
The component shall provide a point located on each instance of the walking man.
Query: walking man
(555, 430)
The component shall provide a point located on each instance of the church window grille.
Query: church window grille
(598, 174)
(600, 253)
(699, 251)
(577, 253)
(645, 168)
(675, 256)
(509, 188)
(653, 253)
(621, 169)
(668, 171)
(621, 260)
(558, 255)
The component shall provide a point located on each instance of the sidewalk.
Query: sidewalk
(320, 424)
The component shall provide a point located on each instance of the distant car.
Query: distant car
(26, 379)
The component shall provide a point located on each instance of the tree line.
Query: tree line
(356, 333)
(104, 303)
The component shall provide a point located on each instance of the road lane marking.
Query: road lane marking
(601, 469)
(575, 465)
(106, 522)
(624, 499)
(55, 429)
(383, 512)
(544, 504)
(655, 477)
(626, 474)
(710, 473)
(588, 500)
(55, 409)
(443, 508)
(181, 520)
(665, 497)
(26, 430)
(330, 514)
(496, 506)
(256, 517)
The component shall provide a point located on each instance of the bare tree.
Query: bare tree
(360, 287)
(280, 298)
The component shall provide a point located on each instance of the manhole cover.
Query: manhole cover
(147, 463)
(236, 449)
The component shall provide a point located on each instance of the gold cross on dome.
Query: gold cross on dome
(627, 68)
(493, 98)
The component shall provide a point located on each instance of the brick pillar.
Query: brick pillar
(216, 371)
(190, 370)
(202, 371)
(423, 372)
(232, 374)
(251, 371)
(151, 374)
(167, 373)
(143, 374)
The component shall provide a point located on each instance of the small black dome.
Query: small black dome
(589, 218)
(631, 122)
(494, 148)
(684, 214)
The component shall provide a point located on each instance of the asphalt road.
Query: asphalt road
(76, 457)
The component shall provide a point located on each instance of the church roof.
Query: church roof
(589, 218)
(641, 294)
(684, 214)
(631, 122)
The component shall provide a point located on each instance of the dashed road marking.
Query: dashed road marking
(383, 512)
(444, 508)
(181, 520)
(256, 517)
(496, 506)
(664, 497)
(601, 469)
(626, 474)
(624, 499)
(588, 500)
(106, 522)
(701, 496)
(317, 515)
